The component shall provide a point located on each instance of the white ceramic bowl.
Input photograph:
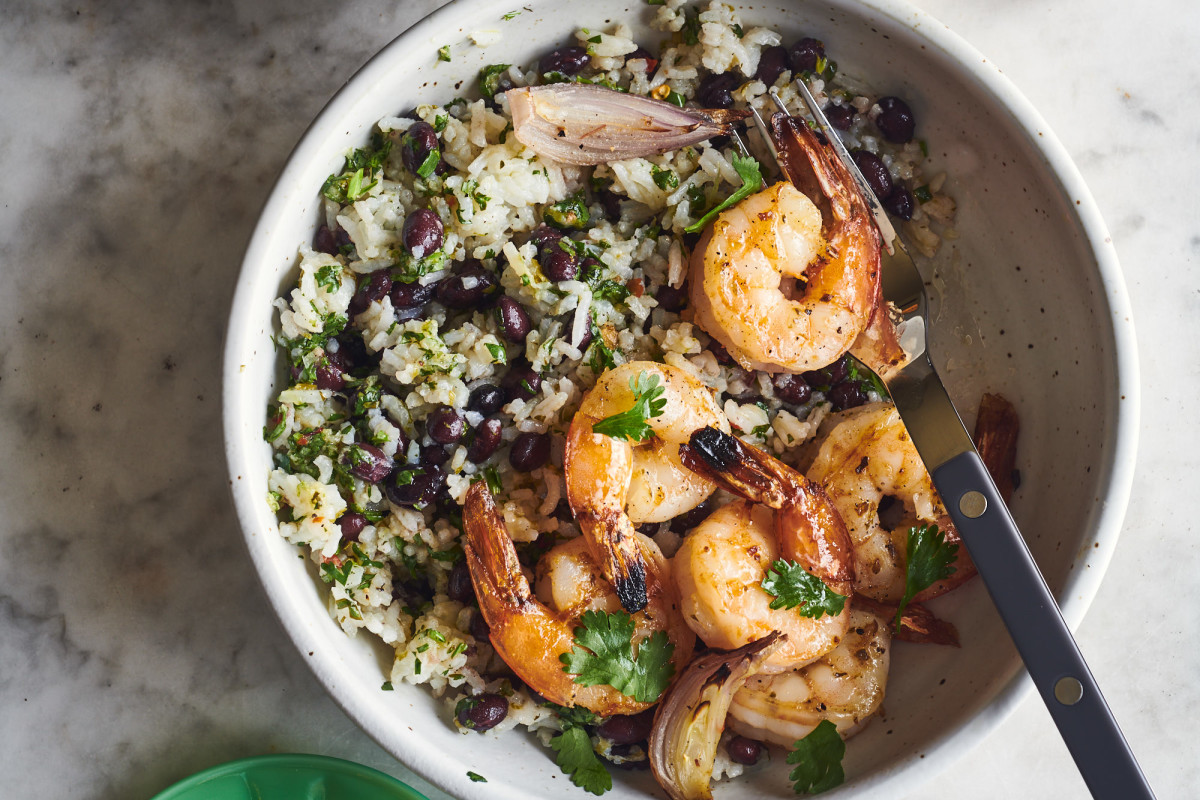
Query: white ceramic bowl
(1032, 304)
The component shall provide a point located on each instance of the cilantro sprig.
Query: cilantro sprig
(930, 559)
(603, 654)
(818, 760)
(750, 172)
(648, 403)
(792, 586)
(577, 758)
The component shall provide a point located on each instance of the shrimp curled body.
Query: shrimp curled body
(722, 563)
(531, 631)
(614, 484)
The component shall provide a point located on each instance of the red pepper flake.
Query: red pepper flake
(636, 286)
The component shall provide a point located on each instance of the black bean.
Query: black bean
(804, 54)
(325, 241)
(423, 233)
(445, 425)
(486, 441)
(690, 519)
(627, 729)
(823, 379)
(544, 235)
(459, 587)
(472, 287)
(715, 90)
(434, 454)
(875, 171)
(745, 751)
(722, 355)
(420, 491)
(791, 388)
(486, 399)
(566, 60)
(559, 265)
(412, 295)
(514, 321)
(484, 712)
(351, 524)
(671, 299)
(847, 395)
(840, 117)
(588, 335)
(900, 202)
(529, 451)
(371, 288)
(417, 143)
(521, 382)
(771, 64)
(895, 120)
(330, 375)
(479, 627)
(368, 462)
(349, 352)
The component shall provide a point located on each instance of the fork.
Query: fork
(992, 538)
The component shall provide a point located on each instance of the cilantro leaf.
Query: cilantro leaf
(603, 654)
(647, 403)
(930, 559)
(858, 371)
(793, 586)
(444, 53)
(751, 174)
(818, 760)
(475, 776)
(577, 759)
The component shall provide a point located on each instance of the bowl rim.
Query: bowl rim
(1080, 585)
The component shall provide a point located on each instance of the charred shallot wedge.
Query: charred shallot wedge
(588, 125)
(691, 717)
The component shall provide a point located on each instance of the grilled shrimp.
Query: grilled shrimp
(722, 563)
(613, 484)
(788, 279)
(864, 459)
(845, 686)
(530, 631)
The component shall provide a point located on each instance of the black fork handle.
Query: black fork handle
(1037, 628)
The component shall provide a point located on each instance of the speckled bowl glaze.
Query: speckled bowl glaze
(1029, 301)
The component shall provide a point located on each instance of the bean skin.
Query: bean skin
(529, 452)
(412, 295)
(804, 54)
(521, 382)
(484, 712)
(486, 440)
(368, 462)
(486, 399)
(514, 321)
(330, 374)
(745, 751)
(371, 289)
(422, 491)
(840, 117)
(445, 425)
(771, 64)
(627, 729)
(351, 523)
(472, 287)
(791, 388)
(459, 588)
(716, 90)
(566, 60)
(559, 265)
(670, 298)
(423, 233)
(434, 454)
(900, 202)
(895, 120)
(875, 171)
(847, 395)
(417, 143)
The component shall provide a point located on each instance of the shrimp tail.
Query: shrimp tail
(492, 559)
(820, 541)
(619, 555)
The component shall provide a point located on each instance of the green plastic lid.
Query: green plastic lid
(292, 776)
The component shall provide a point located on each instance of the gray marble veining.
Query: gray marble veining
(137, 142)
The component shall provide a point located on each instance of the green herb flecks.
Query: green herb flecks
(490, 78)
(930, 559)
(577, 759)
(603, 654)
(818, 759)
(360, 173)
(329, 277)
(792, 586)
(568, 214)
(444, 53)
(750, 172)
(858, 371)
(922, 194)
(664, 178)
(648, 403)
(475, 776)
(676, 99)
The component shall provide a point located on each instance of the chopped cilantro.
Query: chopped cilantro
(277, 420)
(489, 79)
(429, 164)
(493, 480)
(818, 760)
(577, 759)
(568, 214)
(930, 559)
(511, 15)
(691, 26)
(676, 99)
(924, 147)
(737, 30)
(330, 277)
(656, 2)
(601, 357)
(387, 686)
(762, 431)
(648, 403)
(361, 165)
(603, 654)
(612, 291)
(751, 174)
(922, 194)
(792, 586)
(498, 354)
(857, 371)
(475, 776)
(664, 178)
(596, 39)
(444, 53)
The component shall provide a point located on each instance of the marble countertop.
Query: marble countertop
(138, 141)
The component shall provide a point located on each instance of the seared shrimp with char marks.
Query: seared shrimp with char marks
(845, 686)
(721, 565)
(614, 484)
(531, 631)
